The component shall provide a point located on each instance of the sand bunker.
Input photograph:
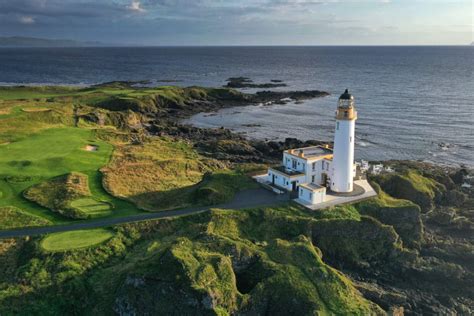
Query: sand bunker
(91, 148)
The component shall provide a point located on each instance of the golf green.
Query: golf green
(75, 239)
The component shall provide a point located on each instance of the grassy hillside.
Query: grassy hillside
(248, 262)
(47, 133)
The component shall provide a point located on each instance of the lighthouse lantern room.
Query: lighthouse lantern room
(343, 168)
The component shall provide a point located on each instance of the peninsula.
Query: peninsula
(86, 172)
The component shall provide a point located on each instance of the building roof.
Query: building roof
(312, 187)
(309, 153)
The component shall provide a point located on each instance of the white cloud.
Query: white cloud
(26, 20)
(136, 6)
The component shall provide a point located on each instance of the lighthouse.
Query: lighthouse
(344, 138)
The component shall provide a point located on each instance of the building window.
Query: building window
(322, 165)
(350, 139)
(311, 196)
(293, 163)
(312, 179)
(337, 125)
(314, 166)
(301, 192)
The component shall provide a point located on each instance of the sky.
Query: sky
(243, 22)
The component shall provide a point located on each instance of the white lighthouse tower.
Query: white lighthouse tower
(343, 168)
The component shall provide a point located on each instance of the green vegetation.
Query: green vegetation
(11, 217)
(92, 207)
(411, 185)
(58, 193)
(75, 239)
(220, 262)
(48, 133)
(163, 173)
(403, 215)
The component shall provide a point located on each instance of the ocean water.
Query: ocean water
(413, 102)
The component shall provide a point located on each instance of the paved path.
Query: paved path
(244, 199)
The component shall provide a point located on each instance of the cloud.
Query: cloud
(26, 20)
(136, 6)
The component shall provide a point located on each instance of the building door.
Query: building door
(294, 190)
(324, 178)
(293, 186)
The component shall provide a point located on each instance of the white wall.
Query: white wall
(310, 196)
(318, 171)
(343, 159)
(283, 181)
(300, 163)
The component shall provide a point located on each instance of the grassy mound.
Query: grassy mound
(75, 239)
(12, 217)
(59, 194)
(412, 186)
(403, 215)
(163, 173)
(236, 265)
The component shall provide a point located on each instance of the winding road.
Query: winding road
(244, 199)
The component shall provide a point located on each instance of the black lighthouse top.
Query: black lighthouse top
(346, 96)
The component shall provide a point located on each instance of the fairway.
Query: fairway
(75, 239)
(52, 152)
(29, 160)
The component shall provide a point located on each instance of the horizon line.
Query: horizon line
(105, 45)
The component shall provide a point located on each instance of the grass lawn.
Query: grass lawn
(52, 152)
(75, 239)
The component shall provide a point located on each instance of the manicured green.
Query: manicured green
(92, 207)
(75, 239)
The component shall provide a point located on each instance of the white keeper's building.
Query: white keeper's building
(311, 171)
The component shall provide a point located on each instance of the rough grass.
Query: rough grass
(411, 185)
(165, 173)
(222, 262)
(12, 217)
(68, 195)
(77, 239)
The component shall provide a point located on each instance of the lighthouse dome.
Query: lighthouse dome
(346, 96)
(346, 100)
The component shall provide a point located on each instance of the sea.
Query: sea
(413, 102)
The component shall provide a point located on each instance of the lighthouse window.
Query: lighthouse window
(337, 125)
